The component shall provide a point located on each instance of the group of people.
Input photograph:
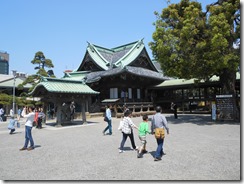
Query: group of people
(34, 117)
(159, 127)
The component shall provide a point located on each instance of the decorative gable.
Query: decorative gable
(101, 59)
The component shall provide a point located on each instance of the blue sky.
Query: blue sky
(62, 28)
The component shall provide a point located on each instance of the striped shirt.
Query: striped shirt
(127, 125)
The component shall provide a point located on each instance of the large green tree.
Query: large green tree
(191, 43)
(42, 62)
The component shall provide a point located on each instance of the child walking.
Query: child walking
(142, 131)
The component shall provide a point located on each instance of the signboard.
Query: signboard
(224, 107)
(214, 111)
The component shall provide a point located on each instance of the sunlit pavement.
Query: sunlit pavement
(196, 149)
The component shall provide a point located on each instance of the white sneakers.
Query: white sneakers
(121, 151)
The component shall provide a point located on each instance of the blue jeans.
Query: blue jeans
(109, 127)
(159, 151)
(28, 137)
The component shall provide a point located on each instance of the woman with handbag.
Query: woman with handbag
(127, 131)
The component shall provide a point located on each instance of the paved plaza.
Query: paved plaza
(196, 149)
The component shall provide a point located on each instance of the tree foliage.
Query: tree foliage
(190, 43)
(42, 62)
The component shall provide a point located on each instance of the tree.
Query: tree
(190, 43)
(40, 60)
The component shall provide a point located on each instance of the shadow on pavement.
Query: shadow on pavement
(198, 120)
(72, 123)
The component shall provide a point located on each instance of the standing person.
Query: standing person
(159, 124)
(72, 110)
(36, 117)
(11, 113)
(108, 116)
(1, 114)
(19, 114)
(127, 130)
(142, 131)
(28, 127)
(40, 118)
(174, 109)
(125, 108)
(11, 125)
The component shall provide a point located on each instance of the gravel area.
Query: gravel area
(196, 149)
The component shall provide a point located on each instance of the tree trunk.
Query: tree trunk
(228, 80)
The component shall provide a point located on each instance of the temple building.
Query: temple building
(122, 74)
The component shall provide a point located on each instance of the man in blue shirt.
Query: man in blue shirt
(108, 116)
(159, 122)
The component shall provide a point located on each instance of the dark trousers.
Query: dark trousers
(12, 131)
(39, 123)
(175, 114)
(131, 136)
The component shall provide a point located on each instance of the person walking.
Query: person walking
(11, 125)
(28, 127)
(142, 131)
(108, 117)
(158, 125)
(127, 131)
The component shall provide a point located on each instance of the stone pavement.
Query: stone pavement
(196, 149)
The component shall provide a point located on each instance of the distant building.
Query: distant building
(4, 62)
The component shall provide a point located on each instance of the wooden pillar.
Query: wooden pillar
(83, 109)
(58, 115)
(115, 110)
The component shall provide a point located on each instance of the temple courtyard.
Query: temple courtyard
(197, 148)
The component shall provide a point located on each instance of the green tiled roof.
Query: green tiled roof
(115, 57)
(176, 82)
(96, 56)
(63, 86)
(131, 55)
(181, 82)
(10, 82)
(79, 76)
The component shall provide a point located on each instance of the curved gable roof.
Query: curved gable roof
(130, 56)
(97, 57)
(123, 55)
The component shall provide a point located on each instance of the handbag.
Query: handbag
(105, 118)
(159, 133)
